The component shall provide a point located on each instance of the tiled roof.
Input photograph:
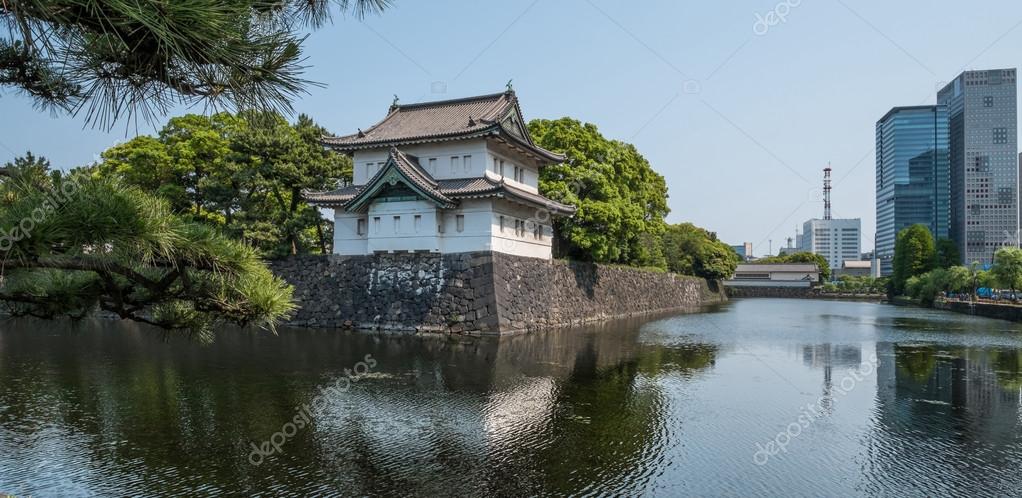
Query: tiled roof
(776, 267)
(857, 264)
(408, 167)
(444, 192)
(495, 114)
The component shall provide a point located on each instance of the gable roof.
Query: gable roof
(445, 193)
(404, 168)
(496, 115)
(776, 267)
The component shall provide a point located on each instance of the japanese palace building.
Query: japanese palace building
(448, 176)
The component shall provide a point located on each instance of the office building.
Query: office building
(983, 131)
(912, 175)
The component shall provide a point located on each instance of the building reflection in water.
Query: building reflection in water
(827, 357)
(940, 404)
(452, 415)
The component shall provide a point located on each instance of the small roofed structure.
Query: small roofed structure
(855, 268)
(450, 176)
(775, 275)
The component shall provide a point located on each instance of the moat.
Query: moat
(753, 397)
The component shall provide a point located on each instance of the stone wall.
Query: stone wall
(800, 293)
(477, 293)
(989, 310)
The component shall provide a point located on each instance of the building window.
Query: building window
(518, 228)
(455, 163)
(988, 101)
(500, 170)
(459, 222)
(417, 222)
(467, 162)
(1000, 135)
(440, 224)
(361, 229)
(501, 224)
(376, 224)
(432, 166)
(397, 224)
(537, 231)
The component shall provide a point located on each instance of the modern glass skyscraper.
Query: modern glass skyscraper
(983, 119)
(912, 175)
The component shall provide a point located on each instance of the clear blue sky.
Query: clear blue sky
(739, 123)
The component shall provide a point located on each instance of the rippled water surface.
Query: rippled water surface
(758, 397)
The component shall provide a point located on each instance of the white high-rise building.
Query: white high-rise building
(836, 240)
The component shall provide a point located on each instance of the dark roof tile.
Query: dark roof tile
(445, 120)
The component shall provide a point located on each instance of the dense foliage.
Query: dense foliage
(927, 286)
(117, 57)
(851, 284)
(1007, 268)
(243, 174)
(947, 254)
(914, 254)
(691, 250)
(621, 200)
(72, 244)
(111, 245)
(800, 257)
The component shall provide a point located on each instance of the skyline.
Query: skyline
(718, 107)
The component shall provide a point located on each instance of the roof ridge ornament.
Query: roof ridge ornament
(393, 105)
(510, 89)
(361, 134)
(471, 122)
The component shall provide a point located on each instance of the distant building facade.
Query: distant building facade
(837, 240)
(861, 268)
(912, 175)
(744, 250)
(983, 130)
(774, 275)
(450, 176)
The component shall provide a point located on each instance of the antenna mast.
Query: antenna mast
(826, 192)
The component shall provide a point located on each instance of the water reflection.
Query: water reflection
(672, 406)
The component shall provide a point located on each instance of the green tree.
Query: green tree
(914, 253)
(801, 257)
(926, 287)
(947, 254)
(690, 250)
(621, 200)
(116, 58)
(1007, 267)
(113, 246)
(244, 174)
(79, 244)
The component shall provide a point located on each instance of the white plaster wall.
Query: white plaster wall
(476, 233)
(385, 236)
(507, 241)
(442, 152)
(481, 230)
(783, 276)
(531, 179)
(347, 242)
